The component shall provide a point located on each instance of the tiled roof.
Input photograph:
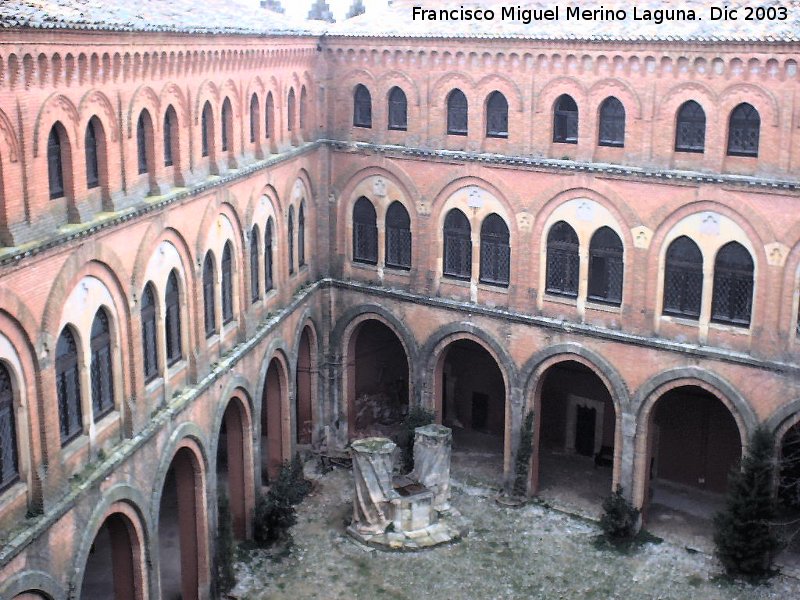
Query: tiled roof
(396, 21)
(186, 16)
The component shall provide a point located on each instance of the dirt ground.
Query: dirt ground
(529, 552)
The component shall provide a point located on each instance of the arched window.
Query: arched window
(68, 388)
(254, 272)
(290, 110)
(683, 279)
(206, 125)
(208, 296)
(457, 113)
(301, 235)
(605, 267)
(90, 146)
(55, 161)
(227, 284)
(398, 109)
(612, 123)
(143, 130)
(398, 237)
(732, 300)
(690, 128)
(290, 239)
(303, 108)
(170, 136)
(362, 107)
(495, 251)
(101, 369)
(268, 283)
(365, 232)
(743, 131)
(172, 319)
(268, 114)
(253, 118)
(496, 115)
(9, 468)
(457, 245)
(563, 264)
(149, 340)
(227, 125)
(565, 120)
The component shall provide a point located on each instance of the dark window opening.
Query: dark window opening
(365, 232)
(563, 264)
(206, 122)
(142, 127)
(254, 271)
(68, 388)
(172, 320)
(227, 284)
(301, 236)
(683, 279)
(268, 283)
(55, 164)
(102, 372)
(495, 251)
(90, 145)
(149, 339)
(457, 245)
(497, 116)
(398, 110)
(398, 237)
(208, 296)
(457, 113)
(612, 123)
(9, 459)
(605, 267)
(732, 299)
(690, 128)
(290, 239)
(743, 131)
(362, 107)
(565, 120)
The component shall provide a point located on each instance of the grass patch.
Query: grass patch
(602, 542)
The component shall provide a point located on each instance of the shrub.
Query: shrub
(523, 461)
(620, 518)
(226, 547)
(275, 513)
(417, 417)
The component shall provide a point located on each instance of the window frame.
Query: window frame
(612, 118)
(684, 121)
(457, 238)
(149, 334)
(566, 121)
(362, 107)
(397, 110)
(365, 232)
(567, 251)
(454, 113)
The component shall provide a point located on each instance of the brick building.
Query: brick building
(217, 249)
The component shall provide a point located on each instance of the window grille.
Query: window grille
(141, 142)
(495, 251)
(497, 116)
(303, 108)
(565, 120)
(253, 118)
(55, 167)
(268, 110)
(732, 298)
(205, 126)
(301, 236)
(398, 237)
(169, 123)
(398, 109)
(254, 283)
(208, 296)
(101, 368)
(743, 131)
(149, 345)
(683, 279)
(290, 239)
(9, 460)
(268, 283)
(90, 146)
(172, 320)
(365, 232)
(457, 245)
(612, 123)
(68, 388)
(563, 264)
(605, 267)
(457, 113)
(227, 124)
(227, 284)
(290, 110)
(690, 129)
(362, 107)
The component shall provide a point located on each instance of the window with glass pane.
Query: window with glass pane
(398, 237)
(172, 319)
(227, 125)
(612, 123)
(365, 232)
(101, 369)
(690, 128)
(743, 131)
(290, 239)
(170, 121)
(732, 299)
(398, 109)
(362, 107)
(683, 279)
(90, 147)
(206, 123)
(495, 251)
(301, 236)
(227, 284)
(208, 296)
(457, 113)
(254, 271)
(563, 264)
(497, 116)
(141, 141)
(253, 118)
(605, 267)
(268, 283)
(68, 388)
(457, 245)
(55, 167)
(9, 460)
(565, 120)
(149, 343)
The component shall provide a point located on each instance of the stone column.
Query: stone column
(373, 462)
(432, 445)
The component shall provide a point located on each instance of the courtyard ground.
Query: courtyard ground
(529, 552)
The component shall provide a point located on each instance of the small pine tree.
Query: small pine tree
(744, 538)
(523, 461)
(275, 513)
(298, 485)
(417, 417)
(620, 518)
(226, 547)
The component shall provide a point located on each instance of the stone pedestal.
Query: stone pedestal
(432, 447)
(373, 460)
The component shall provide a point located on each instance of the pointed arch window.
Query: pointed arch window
(90, 146)
(9, 459)
(101, 369)
(170, 135)
(605, 267)
(457, 113)
(398, 237)
(744, 129)
(362, 107)
(206, 123)
(268, 282)
(55, 162)
(68, 388)
(227, 125)
(208, 296)
(290, 110)
(227, 284)
(149, 340)
(301, 235)
(495, 251)
(690, 128)
(303, 109)
(254, 271)
(143, 126)
(290, 239)
(565, 120)
(563, 263)
(496, 115)
(732, 299)
(172, 319)
(457, 245)
(268, 115)
(683, 279)
(612, 123)
(253, 118)
(398, 109)
(365, 232)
